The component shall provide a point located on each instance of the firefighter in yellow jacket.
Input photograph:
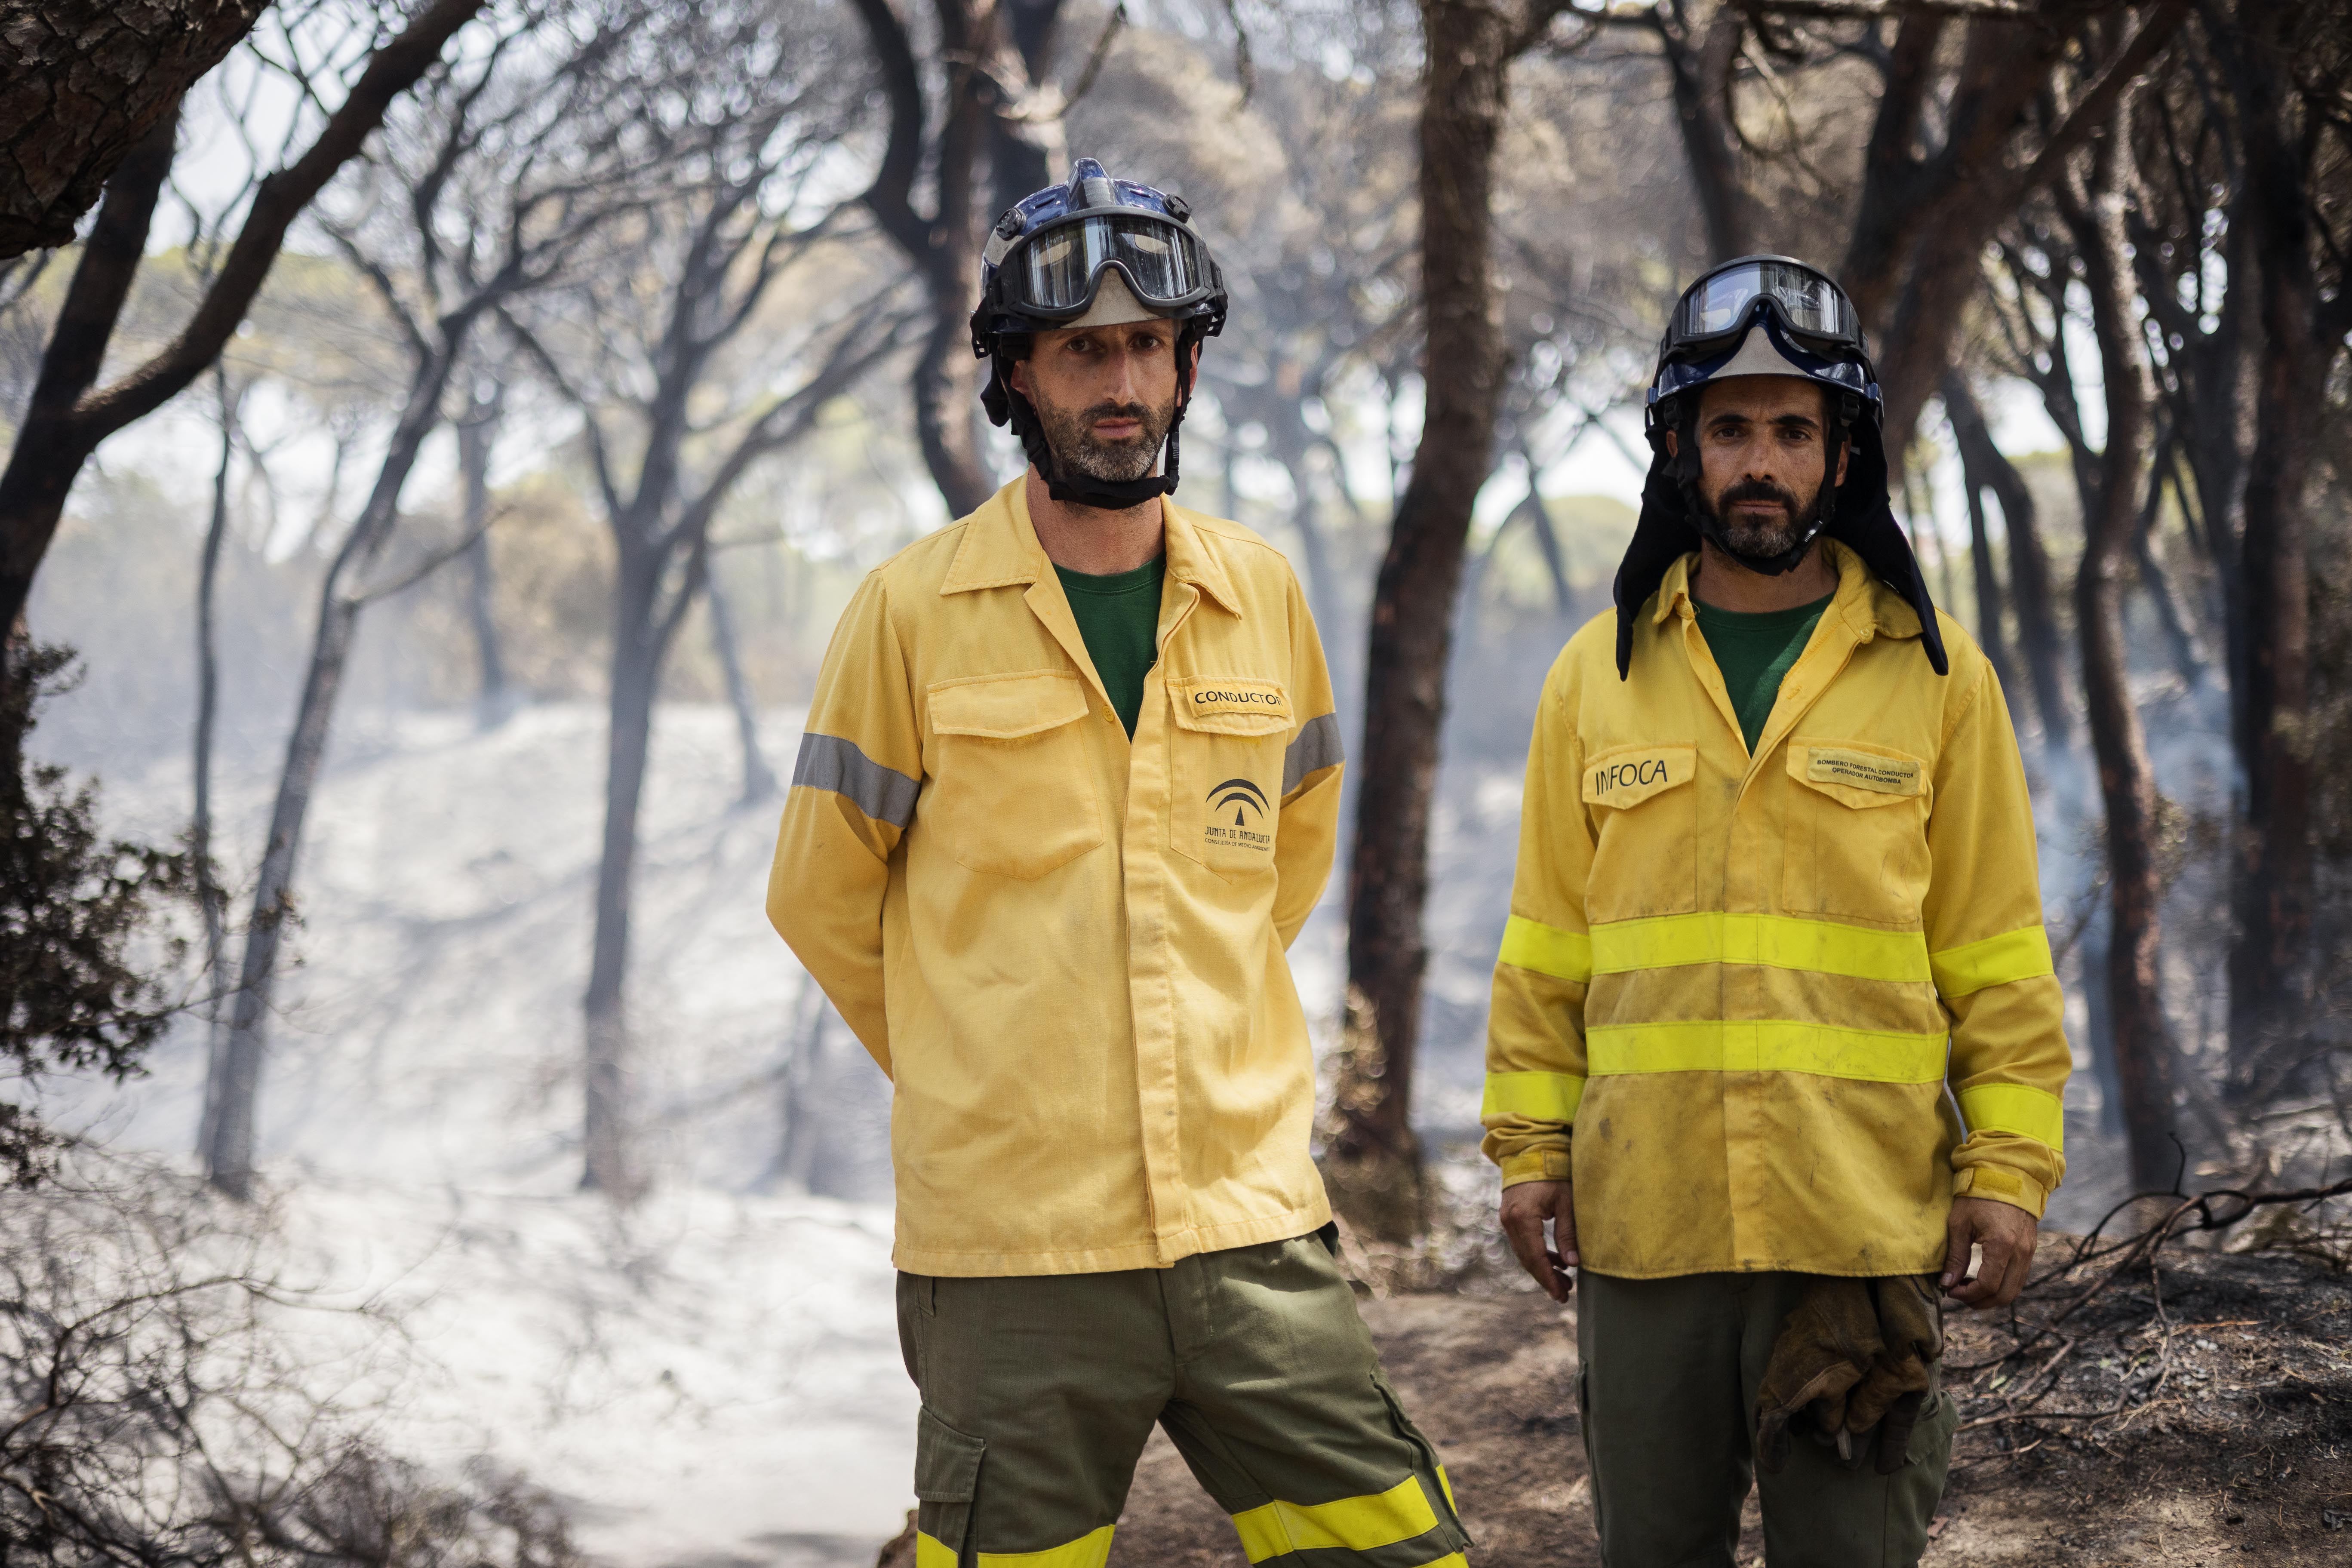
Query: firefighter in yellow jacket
(1775, 1047)
(1069, 790)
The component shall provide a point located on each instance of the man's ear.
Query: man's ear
(1675, 447)
(1845, 455)
(1017, 376)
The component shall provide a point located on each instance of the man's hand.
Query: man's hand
(1525, 1208)
(2006, 1233)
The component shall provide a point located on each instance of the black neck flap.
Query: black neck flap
(1860, 519)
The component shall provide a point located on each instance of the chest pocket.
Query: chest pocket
(1642, 802)
(1225, 771)
(1857, 838)
(1012, 790)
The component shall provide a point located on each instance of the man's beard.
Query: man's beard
(1764, 540)
(1083, 455)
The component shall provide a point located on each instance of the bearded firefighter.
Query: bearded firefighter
(1775, 1047)
(1069, 788)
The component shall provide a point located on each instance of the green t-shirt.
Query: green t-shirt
(1754, 650)
(1118, 616)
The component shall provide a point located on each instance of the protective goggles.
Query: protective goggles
(1717, 309)
(1054, 273)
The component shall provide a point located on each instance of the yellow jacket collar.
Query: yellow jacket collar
(1000, 548)
(1865, 604)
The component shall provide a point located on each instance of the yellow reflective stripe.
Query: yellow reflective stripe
(1547, 950)
(1777, 941)
(932, 1553)
(2022, 954)
(2015, 1108)
(1539, 1096)
(1351, 1524)
(1772, 1044)
(1090, 1551)
(1445, 1484)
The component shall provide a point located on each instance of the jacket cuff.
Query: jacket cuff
(1535, 1165)
(2001, 1185)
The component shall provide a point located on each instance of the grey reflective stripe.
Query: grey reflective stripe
(828, 762)
(1316, 748)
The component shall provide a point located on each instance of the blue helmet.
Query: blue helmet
(1092, 251)
(1046, 258)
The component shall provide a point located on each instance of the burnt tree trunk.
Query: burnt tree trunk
(233, 1098)
(43, 465)
(2143, 1043)
(478, 432)
(1373, 1161)
(1985, 466)
(1992, 600)
(1922, 220)
(759, 778)
(83, 83)
(640, 639)
(977, 124)
(1700, 67)
(212, 898)
(2270, 971)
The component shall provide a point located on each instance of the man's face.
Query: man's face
(1759, 443)
(1105, 395)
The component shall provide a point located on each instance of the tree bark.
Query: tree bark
(1373, 1162)
(84, 82)
(2270, 969)
(2143, 1043)
(233, 1099)
(1985, 466)
(65, 426)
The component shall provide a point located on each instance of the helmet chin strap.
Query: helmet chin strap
(1007, 406)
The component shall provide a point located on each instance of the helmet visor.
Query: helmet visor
(1164, 263)
(1808, 303)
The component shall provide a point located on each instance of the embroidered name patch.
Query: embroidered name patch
(1861, 770)
(1236, 697)
(1229, 704)
(1628, 775)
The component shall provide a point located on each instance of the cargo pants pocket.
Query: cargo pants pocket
(947, 1484)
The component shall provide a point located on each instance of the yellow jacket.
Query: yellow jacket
(1745, 982)
(1067, 950)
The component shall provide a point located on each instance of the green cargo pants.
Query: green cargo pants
(1667, 1391)
(1039, 1392)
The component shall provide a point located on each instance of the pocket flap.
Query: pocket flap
(947, 1463)
(1229, 705)
(1004, 706)
(1628, 775)
(1857, 775)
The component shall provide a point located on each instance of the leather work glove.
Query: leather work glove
(1855, 1355)
(1911, 1335)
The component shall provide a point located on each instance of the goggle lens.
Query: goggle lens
(1058, 268)
(1808, 301)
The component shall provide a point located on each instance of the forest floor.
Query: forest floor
(2195, 1408)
